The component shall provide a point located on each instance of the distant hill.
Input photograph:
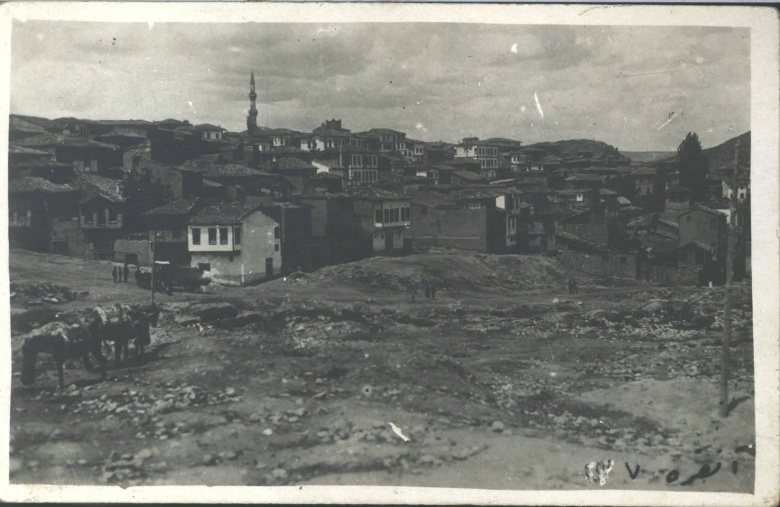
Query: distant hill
(581, 148)
(649, 156)
(722, 155)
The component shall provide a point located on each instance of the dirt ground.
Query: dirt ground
(504, 381)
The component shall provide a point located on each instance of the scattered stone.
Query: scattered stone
(209, 460)
(497, 426)
(268, 432)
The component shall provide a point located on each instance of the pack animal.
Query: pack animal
(62, 341)
(132, 324)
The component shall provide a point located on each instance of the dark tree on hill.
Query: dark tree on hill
(693, 165)
(143, 192)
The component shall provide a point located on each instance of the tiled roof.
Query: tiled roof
(481, 193)
(327, 176)
(444, 167)
(203, 127)
(321, 193)
(326, 132)
(45, 139)
(585, 177)
(210, 167)
(468, 175)
(605, 192)
(175, 208)
(48, 163)
(374, 194)
(103, 187)
(23, 185)
(286, 164)
(284, 149)
(643, 221)
(44, 123)
(81, 142)
(224, 213)
(23, 150)
(644, 171)
(330, 164)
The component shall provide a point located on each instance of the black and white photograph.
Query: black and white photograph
(361, 248)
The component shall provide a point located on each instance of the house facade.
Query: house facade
(234, 243)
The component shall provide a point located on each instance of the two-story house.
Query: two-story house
(235, 243)
(210, 132)
(33, 205)
(384, 216)
(101, 214)
(168, 229)
(385, 140)
(485, 153)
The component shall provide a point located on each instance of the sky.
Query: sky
(636, 88)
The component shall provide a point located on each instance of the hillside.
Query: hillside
(649, 156)
(722, 155)
(576, 148)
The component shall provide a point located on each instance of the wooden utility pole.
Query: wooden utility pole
(724, 365)
(154, 234)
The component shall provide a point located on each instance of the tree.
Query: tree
(143, 192)
(693, 166)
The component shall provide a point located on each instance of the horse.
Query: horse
(132, 323)
(61, 341)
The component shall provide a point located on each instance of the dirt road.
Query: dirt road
(504, 381)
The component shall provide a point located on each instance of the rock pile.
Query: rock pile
(34, 294)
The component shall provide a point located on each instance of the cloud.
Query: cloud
(611, 83)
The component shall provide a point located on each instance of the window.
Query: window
(276, 233)
(196, 236)
(387, 216)
(396, 215)
(89, 218)
(113, 216)
(378, 216)
(237, 235)
(223, 235)
(212, 235)
(101, 218)
(406, 214)
(357, 160)
(276, 247)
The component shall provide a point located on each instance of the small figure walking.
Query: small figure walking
(433, 291)
(125, 272)
(115, 273)
(573, 286)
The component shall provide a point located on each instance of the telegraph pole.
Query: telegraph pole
(724, 365)
(154, 234)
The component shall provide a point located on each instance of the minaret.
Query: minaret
(251, 119)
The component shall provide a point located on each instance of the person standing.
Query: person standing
(125, 272)
(114, 273)
(433, 291)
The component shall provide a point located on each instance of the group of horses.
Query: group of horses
(86, 336)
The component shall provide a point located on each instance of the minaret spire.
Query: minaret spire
(251, 119)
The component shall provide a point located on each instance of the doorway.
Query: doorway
(269, 267)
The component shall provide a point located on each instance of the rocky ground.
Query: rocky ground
(504, 381)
